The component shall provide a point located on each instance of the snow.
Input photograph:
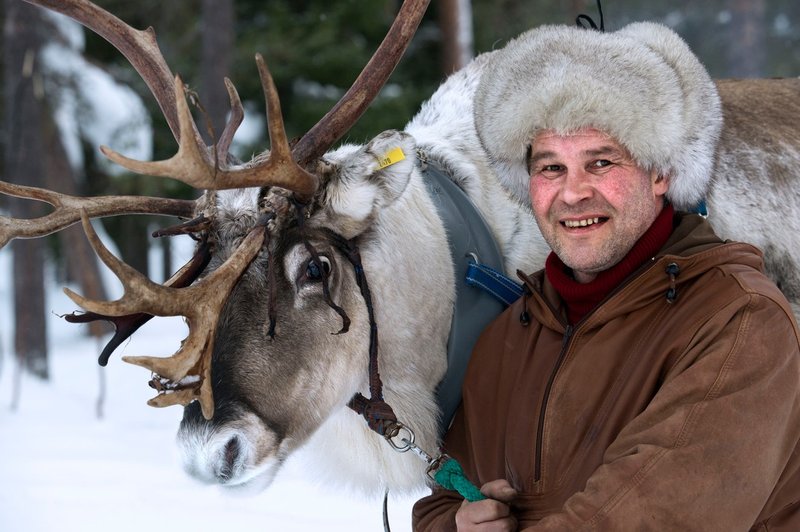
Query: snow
(64, 469)
(90, 104)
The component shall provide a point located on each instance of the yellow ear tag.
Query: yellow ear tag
(394, 155)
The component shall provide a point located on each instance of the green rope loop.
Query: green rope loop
(451, 476)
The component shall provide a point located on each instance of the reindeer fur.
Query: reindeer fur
(275, 397)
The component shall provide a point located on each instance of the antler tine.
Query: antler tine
(192, 165)
(237, 116)
(189, 369)
(126, 326)
(279, 144)
(365, 88)
(141, 294)
(68, 210)
(293, 177)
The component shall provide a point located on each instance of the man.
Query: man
(649, 377)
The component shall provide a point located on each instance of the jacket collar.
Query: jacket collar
(693, 247)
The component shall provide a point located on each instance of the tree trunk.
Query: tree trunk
(455, 20)
(80, 257)
(24, 164)
(746, 49)
(218, 27)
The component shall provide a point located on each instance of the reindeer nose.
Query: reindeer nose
(230, 454)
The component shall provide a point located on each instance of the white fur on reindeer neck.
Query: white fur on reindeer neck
(641, 84)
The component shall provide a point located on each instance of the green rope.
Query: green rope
(450, 476)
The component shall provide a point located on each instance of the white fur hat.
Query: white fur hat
(642, 85)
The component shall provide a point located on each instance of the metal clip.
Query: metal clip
(402, 438)
(436, 465)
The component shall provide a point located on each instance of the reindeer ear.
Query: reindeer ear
(368, 178)
(392, 156)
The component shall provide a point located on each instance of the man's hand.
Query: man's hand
(491, 514)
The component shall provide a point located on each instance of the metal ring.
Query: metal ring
(405, 444)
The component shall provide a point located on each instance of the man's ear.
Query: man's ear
(660, 183)
(367, 179)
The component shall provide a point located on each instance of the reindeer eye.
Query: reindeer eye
(313, 271)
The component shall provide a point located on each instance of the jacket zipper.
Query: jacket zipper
(537, 472)
(568, 331)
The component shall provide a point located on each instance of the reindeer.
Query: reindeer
(305, 254)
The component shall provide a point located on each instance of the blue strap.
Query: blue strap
(700, 209)
(494, 282)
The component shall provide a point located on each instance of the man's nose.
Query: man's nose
(576, 187)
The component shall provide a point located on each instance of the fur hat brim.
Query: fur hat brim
(642, 85)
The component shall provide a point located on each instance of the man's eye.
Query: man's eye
(601, 163)
(549, 170)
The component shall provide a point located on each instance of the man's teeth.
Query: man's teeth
(581, 223)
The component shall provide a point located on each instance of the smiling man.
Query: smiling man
(649, 377)
(591, 200)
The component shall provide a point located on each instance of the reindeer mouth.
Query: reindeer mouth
(232, 465)
(255, 481)
(238, 472)
(243, 457)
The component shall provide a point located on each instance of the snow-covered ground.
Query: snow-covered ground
(65, 470)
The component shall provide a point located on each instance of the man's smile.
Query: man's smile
(583, 222)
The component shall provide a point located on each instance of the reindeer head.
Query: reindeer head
(276, 271)
(293, 339)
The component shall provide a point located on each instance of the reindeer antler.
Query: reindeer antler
(192, 165)
(68, 210)
(201, 304)
(141, 49)
(185, 376)
(365, 88)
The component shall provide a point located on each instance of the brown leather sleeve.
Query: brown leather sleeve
(436, 512)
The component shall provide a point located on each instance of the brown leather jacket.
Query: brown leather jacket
(647, 414)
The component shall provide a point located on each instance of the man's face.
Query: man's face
(591, 201)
